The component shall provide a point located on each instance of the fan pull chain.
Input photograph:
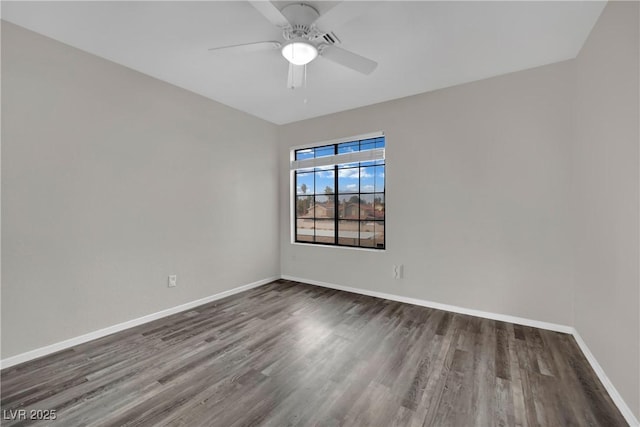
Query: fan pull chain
(305, 83)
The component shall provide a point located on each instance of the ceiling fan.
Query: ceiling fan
(305, 38)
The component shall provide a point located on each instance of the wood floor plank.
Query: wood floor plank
(295, 354)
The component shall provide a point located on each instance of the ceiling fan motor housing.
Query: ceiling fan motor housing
(301, 16)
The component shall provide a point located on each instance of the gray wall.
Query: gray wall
(477, 197)
(515, 195)
(112, 180)
(605, 196)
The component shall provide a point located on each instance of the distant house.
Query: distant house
(348, 210)
(319, 210)
(323, 210)
(378, 210)
(355, 210)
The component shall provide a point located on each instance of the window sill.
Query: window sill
(351, 248)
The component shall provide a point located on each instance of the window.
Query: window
(339, 193)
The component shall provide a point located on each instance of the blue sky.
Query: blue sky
(371, 179)
(369, 175)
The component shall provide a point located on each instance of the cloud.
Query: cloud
(326, 174)
(349, 188)
(353, 173)
(350, 149)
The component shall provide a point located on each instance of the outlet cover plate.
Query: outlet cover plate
(173, 281)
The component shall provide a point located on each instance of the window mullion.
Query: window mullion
(359, 203)
(335, 197)
(335, 202)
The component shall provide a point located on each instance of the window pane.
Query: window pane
(380, 142)
(367, 175)
(348, 165)
(325, 231)
(378, 205)
(348, 180)
(304, 154)
(348, 205)
(379, 179)
(348, 147)
(328, 150)
(304, 206)
(367, 144)
(348, 233)
(379, 234)
(305, 230)
(325, 182)
(366, 206)
(323, 168)
(324, 207)
(367, 234)
(304, 183)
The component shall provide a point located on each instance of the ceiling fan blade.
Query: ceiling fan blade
(296, 76)
(349, 59)
(342, 13)
(248, 47)
(271, 12)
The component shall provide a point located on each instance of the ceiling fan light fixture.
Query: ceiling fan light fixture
(299, 52)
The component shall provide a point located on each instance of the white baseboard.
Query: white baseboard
(615, 396)
(606, 382)
(62, 345)
(452, 308)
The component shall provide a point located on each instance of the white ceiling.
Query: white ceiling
(420, 46)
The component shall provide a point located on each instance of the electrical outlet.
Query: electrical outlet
(173, 281)
(397, 271)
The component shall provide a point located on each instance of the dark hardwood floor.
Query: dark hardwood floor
(292, 354)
